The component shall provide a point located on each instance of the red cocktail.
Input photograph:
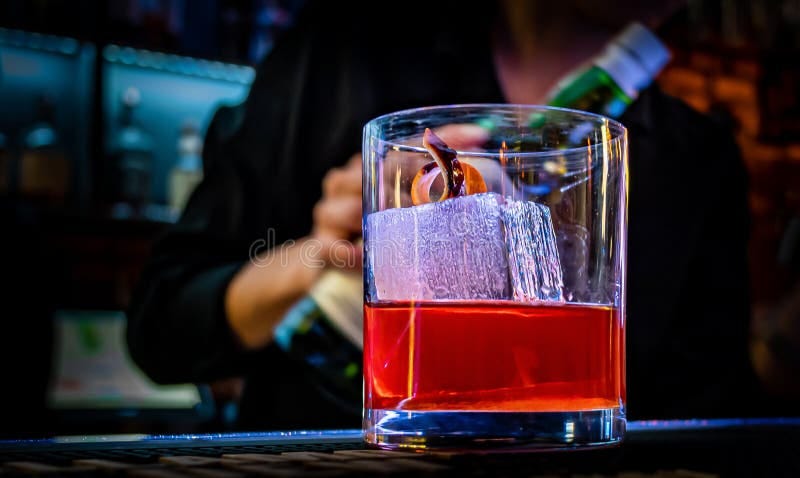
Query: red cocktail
(494, 278)
(492, 356)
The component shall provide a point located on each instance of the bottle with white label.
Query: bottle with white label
(132, 150)
(609, 82)
(44, 170)
(188, 170)
(324, 331)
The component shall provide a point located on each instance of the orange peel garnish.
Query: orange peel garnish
(460, 179)
(473, 180)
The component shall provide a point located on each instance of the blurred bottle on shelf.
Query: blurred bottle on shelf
(188, 170)
(132, 157)
(44, 169)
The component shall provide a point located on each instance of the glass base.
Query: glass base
(493, 431)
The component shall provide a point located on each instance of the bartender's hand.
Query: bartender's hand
(337, 216)
(264, 289)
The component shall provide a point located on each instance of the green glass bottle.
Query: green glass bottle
(323, 332)
(606, 84)
(612, 80)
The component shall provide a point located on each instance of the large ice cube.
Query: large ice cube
(533, 263)
(452, 249)
(480, 246)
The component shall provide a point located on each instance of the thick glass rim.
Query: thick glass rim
(617, 131)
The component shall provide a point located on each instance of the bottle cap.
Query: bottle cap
(190, 143)
(131, 97)
(626, 72)
(646, 49)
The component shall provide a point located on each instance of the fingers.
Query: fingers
(345, 255)
(327, 250)
(354, 161)
(344, 181)
(338, 217)
(338, 214)
(336, 221)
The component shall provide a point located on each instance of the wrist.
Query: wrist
(266, 287)
(306, 262)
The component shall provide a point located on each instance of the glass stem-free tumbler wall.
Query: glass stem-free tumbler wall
(494, 278)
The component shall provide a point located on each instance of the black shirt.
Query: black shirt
(688, 305)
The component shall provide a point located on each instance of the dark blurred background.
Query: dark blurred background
(103, 111)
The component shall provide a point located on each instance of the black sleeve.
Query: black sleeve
(177, 328)
(716, 337)
(177, 331)
(688, 302)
